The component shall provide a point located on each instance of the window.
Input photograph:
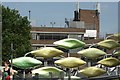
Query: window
(48, 37)
(52, 36)
(41, 36)
(55, 36)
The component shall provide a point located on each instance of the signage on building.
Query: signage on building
(90, 33)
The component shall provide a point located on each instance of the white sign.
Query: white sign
(90, 33)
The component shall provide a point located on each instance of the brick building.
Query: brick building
(88, 19)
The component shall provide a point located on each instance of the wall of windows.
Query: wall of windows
(48, 36)
(54, 36)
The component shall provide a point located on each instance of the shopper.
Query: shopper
(7, 71)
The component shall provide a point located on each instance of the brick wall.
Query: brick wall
(90, 17)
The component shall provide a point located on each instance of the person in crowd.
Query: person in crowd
(7, 71)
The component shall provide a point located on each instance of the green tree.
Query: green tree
(16, 30)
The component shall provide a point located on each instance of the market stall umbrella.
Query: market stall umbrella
(70, 62)
(109, 44)
(109, 62)
(117, 35)
(44, 72)
(92, 53)
(25, 63)
(69, 43)
(92, 71)
(47, 52)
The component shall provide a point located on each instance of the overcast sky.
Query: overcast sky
(42, 13)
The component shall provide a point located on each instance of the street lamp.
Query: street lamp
(29, 14)
(52, 23)
(12, 57)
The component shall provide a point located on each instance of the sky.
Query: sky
(42, 13)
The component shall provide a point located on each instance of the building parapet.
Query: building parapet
(55, 29)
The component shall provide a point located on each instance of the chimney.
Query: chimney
(76, 13)
(98, 7)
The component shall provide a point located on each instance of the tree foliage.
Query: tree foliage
(16, 30)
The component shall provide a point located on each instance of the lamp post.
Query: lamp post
(29, 14)
(52, 23)
(11, 53)
(12, 56)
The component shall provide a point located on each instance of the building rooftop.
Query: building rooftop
(56, 29)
